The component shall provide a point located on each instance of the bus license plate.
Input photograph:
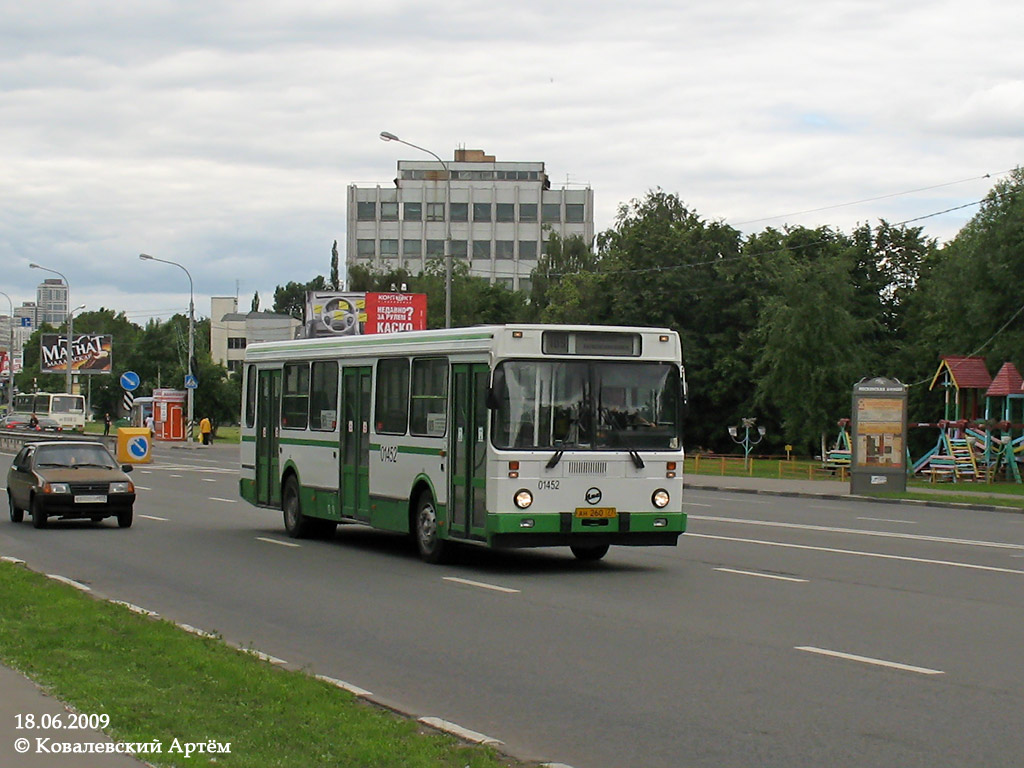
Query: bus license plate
(90, 499)
(595, 513)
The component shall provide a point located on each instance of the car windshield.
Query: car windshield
(566, 404)
(74, 456)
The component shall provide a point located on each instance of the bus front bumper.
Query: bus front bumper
(639, 529)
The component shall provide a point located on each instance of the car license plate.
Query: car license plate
(90, 499)
(596, 513)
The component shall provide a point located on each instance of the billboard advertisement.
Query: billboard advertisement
(331, 313)
(90, 353)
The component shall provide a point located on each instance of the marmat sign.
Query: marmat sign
(90, 353)
(330, 313)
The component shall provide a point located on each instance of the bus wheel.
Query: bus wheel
(296, 524)
(431, 546)
(589, 554)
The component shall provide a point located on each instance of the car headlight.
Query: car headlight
(523, 498)
(660, 498)
(122, 487)
(56, 488)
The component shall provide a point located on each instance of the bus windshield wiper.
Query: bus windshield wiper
(553, 461)
(638, 462)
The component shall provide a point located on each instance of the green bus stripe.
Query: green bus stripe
(412, 449)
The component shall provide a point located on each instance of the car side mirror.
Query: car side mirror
(127, 468)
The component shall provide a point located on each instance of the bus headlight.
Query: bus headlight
(523, 498)
(660, 498)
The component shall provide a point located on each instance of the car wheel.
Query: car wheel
(124, 519)
(588, 554)
(432, 548)
(17, 515)
(38, 513)
(296, 524)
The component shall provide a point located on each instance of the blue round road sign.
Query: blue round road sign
(138, 446)
(130, 381)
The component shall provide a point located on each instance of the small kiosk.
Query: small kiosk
(169, 414)
(878, 437)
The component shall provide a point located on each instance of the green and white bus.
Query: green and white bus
(503, 436)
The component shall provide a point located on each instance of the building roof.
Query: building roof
(963, 372)
(1007, 382)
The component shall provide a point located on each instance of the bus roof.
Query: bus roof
(478, 338)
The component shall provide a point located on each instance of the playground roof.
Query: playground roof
(964, 372)
(1007, 382)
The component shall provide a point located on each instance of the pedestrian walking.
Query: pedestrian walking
(106, 424)
(206, 430)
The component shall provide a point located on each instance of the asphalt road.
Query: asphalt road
(781, 632)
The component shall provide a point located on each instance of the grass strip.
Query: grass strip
(157, 682)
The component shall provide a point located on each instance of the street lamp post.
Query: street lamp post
(746, 441)
(70, 325)
(189, 391)
(386, 136)
(10, 356)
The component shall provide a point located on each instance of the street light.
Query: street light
(386, 136)
(70, 324)
(10, 357)
(189, 391)
(746, 442)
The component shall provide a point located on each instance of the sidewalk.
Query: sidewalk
(21, 698)
(834, 489)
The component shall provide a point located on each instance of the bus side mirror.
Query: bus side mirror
(496, 392)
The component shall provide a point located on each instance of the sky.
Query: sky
(223, 135)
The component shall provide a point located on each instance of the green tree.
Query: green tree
(255, 306)
(290, 299)
(335, 279)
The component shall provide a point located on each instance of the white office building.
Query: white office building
(52, 302)
(501, 215)
(231, 331)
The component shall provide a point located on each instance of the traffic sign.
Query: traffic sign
(191, 382)
(130, 381)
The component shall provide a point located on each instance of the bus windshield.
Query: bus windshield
(569, 404)
(67, 404)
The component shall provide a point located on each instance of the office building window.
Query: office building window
(525, 284)
(413, 211)
(482, 249)
(527, 250)
(412, 249)
(527, 211)
(460, 211)
(551, 212)
(388, 249)
(365, 249)
(574, 212)
(366, 211)
(236, 342)
(435, 249)
(505, 212)
(481, 211)
(504, 282)
(504, 249)
(389, 211)
(435, 211)
(459, 249)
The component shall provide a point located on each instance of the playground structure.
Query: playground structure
(975, 444)
(837, 458)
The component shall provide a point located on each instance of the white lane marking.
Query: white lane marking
(277, 541)
(831, 508)
(353, 689)
(143, 488)
(175, 475)
(457, 730)
(137, 609)
(69, 582)
(888, 520)
(209, 479)
(229, 501)
(861, 532)
(761, 575)
(480, 584)
(879, 555)
(154, 517)
(869, 660)
(694, 504)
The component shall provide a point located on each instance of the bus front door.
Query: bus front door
(467, 498)
(268, 422)
(355, 442)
